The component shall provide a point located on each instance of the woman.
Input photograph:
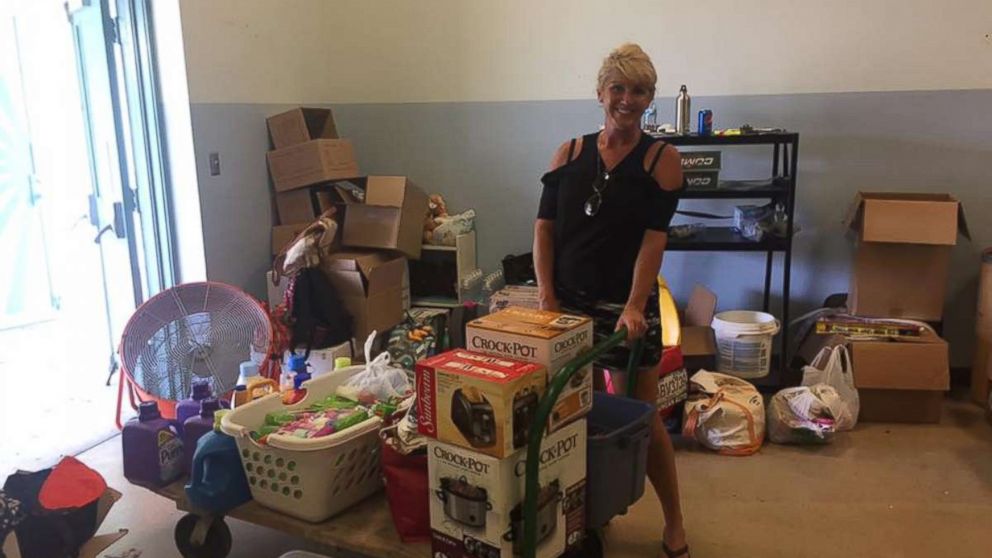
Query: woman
(599, 237)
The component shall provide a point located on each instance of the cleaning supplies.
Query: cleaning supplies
(294, 365)
(247, 370)
(257, 387)
(217, 482)
(190, 407)
(196, 427)
(298, 370)
(153, 451)
(297, 393)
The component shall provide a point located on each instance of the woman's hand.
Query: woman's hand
(633, 320)
(549, 302)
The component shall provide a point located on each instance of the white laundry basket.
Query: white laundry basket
(744, 342)
(309, 479)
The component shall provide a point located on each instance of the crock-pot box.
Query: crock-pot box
(478, 401)
(547, 338)
(477, 500)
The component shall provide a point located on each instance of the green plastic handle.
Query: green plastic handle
(539, 424)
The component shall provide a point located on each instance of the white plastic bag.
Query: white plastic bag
(724, 413)
(379, 381)
(832, 366)
(800, 415)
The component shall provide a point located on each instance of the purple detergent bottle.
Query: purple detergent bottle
(191, 407)
(153, 451)
(195, 427)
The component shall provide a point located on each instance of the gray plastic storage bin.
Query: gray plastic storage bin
(617, 455)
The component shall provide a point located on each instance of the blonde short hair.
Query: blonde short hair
(630, 62)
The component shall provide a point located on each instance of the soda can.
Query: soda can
(705, 123)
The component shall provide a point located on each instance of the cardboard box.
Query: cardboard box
(311, 163)
(899, 380)
(391, 218)
(284, 234)
(476, 500)
(301, 125)
(903, 254)
(482, 402)
(698, 341)
(522, 296)
(371, 287)
(321, 361)
(92, 548)
(550, 339)
(981, 370)
(296, 206)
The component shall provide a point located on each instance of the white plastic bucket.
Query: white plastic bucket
(744, 342)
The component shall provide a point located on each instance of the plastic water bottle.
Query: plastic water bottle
(683, 108)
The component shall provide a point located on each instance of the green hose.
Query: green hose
(539, 424)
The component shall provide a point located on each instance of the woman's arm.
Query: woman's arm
(544, 235)
(667, 172)
(645, 279)
(544, 263)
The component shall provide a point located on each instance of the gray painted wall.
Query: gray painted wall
(490, 156)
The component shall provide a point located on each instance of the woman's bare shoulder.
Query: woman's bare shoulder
(561, 156)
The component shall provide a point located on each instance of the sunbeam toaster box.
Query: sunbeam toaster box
(547, 338)
(477, 500)
(483, 402)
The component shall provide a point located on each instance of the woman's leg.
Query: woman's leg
(661, 463)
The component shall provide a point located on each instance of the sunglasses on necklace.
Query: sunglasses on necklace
(598, 186)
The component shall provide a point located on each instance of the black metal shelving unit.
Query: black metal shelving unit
(780, 186)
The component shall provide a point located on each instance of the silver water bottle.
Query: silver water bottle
(683, 108)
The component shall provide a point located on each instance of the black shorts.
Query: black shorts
(605, 316)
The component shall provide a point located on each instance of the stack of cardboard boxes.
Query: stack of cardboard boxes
(380, 218)
(477, 407)
(901, 267)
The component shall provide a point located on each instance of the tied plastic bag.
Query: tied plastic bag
(832, 366)
(378, 382)
(451, 226)
(724, 413)
(800, 415)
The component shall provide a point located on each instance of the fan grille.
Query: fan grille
(195, 330)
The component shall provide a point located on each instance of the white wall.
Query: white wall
(346, 51)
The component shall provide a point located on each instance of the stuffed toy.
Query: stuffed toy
(437, 211)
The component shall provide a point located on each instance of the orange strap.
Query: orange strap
(692, 422)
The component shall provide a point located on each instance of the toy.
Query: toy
(437, 210)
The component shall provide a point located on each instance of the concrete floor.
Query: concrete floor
(883, 490)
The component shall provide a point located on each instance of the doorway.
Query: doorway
(84, 215)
